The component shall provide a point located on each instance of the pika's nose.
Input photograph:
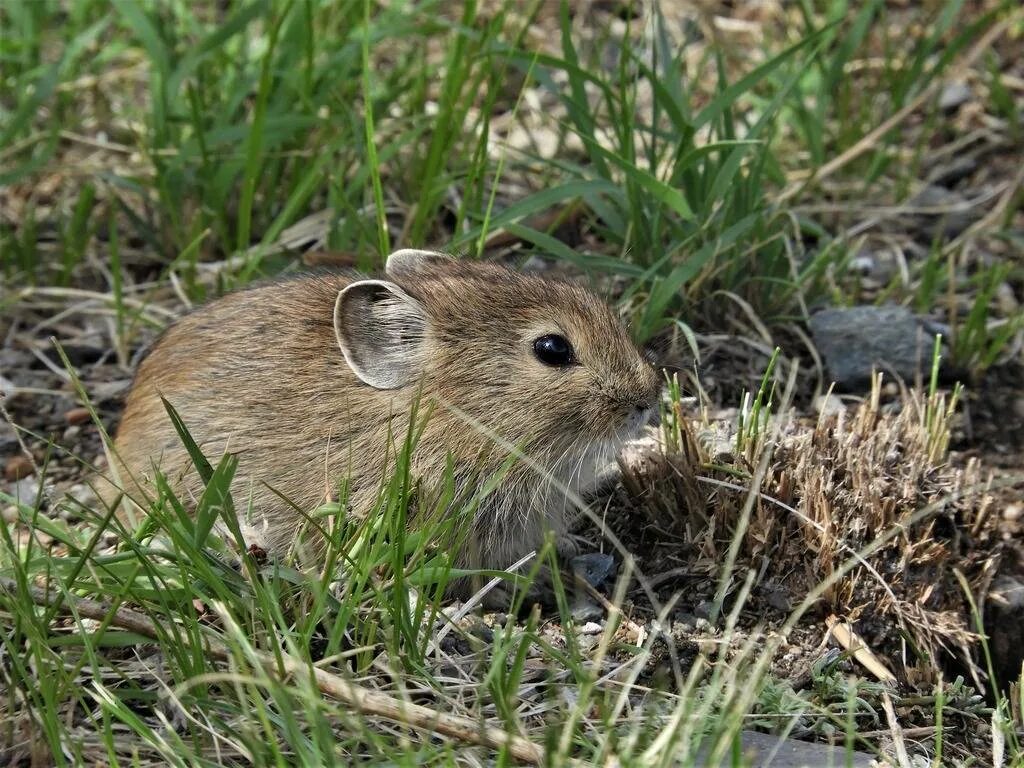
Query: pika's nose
(644, 413)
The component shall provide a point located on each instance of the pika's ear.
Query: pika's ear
(380, 329)
(408, 263)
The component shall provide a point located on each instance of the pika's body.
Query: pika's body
(312, 380)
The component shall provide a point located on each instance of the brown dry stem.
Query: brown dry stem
(363, 700)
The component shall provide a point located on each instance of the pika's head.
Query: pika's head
(544, 364)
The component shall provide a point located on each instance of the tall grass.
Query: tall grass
(202, 668)
(244, 119)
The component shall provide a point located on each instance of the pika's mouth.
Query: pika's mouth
(634, 425)
(588, 466)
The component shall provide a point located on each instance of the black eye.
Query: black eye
(554, 350)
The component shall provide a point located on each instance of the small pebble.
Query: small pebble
(585, 610)
(67, 514)
(594, 567)
(535, 264)
(82, 493)
(71, 433)
(1013, 512)
(863, 264)
(17, 467)
(6, 389)
(26, 490)
(10, 514)
(953, 95)
(1006, 300)
(77, 416)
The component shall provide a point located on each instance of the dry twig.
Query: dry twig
(984, 45)
(361, 699)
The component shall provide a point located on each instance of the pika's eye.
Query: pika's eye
(554, 350)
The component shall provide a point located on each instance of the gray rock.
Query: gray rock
(25, 490)
(584, 610)
(863, 264)
(855, 341)
(107, 390)
(954, 95)
(594, 567)
(8, 440)
(941, 211)
(956, 169)
(762, 750)
(536, 264)
(878, 265)
(6, 390)
(78, 496)
(12, 358)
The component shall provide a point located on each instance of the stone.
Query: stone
(83, 494)
(762, 750)
(8, 439)
(954, 95)
(536, 264)
(77, 416)
(955, 170)
(584, 610)
(1006, 300)
(102, 391)
(855, 341)
(6, 390)
(17, 467)
(25, 490)
(593, 567)
(941, 211)
(79, 496)
(863, 263)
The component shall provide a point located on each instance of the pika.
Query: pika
(314, 379)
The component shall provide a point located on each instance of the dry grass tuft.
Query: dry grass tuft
(862, 504)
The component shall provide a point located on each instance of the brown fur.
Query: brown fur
(259, 373)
